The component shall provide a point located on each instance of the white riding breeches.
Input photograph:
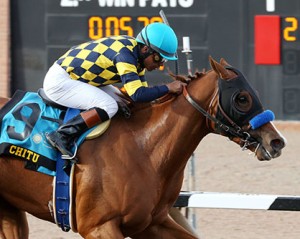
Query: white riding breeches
(61, 89)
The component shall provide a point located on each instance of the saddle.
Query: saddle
(96, 132)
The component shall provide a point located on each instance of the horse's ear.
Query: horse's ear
(224, 62)
(219, 69)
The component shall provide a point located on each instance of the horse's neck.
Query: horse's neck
(181, 131)
(173, 131)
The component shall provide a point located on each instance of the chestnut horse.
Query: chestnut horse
(127, 180)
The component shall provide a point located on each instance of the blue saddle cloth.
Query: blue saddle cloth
(24, 120)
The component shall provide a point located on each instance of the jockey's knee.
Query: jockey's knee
(111, 108)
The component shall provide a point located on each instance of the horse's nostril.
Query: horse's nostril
(277, 144)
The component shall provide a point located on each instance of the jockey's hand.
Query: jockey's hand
(176, 87)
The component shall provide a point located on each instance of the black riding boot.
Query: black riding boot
(64, 138)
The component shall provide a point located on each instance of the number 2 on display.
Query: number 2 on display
(291, 29)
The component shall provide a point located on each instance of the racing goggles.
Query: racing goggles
(158, 58)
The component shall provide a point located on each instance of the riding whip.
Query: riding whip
(165, 20)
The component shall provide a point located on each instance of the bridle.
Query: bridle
(230, 131)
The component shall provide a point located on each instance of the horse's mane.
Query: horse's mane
(189, 78)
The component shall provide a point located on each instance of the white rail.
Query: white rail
(238, 201)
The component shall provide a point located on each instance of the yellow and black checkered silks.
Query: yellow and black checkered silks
(105, 61)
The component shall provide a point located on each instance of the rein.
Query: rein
(244, 136)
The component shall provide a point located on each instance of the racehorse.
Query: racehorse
(127, 180)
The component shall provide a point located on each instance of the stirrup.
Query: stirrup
(72, 158)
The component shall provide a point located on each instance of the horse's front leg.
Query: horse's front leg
(108, 230)
(169, 229)
(13, 222)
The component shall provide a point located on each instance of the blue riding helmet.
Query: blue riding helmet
(161, 38)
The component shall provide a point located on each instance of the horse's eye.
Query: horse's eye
(243, 101)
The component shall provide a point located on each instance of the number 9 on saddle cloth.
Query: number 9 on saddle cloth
(24, 120)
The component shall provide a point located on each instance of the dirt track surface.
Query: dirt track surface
(222, 167)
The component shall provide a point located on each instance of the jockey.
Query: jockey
(82, 78)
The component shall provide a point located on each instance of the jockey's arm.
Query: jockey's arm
(140, 92)
(146, 94)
